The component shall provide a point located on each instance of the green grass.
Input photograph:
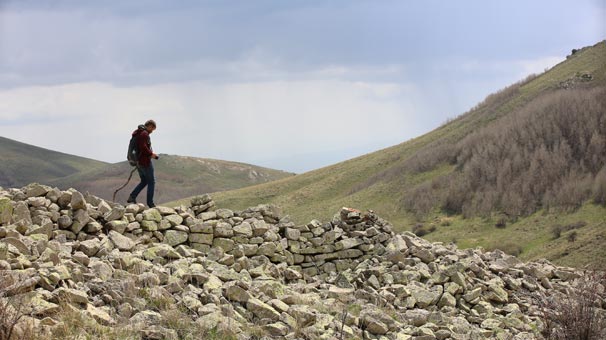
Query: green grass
(533, 236)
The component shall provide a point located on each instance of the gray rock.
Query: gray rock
(205, 228)
(201, 238)
(68, 295)
(161, 250)
(77, 201)
(120, 241)
(348, 243)
(148, 225)
(6, 210)
(174, 237)
(304, 315)
(201, 200)
(223, 243)
(223, 229)
(64, 222)
(99, 315)
(267, 249)
(261, 309)
(152, 215)
(276, 329)
(80, 220)
(425, 297)
(292, 234)
(90, 247)
(21, 214)
(93, 227)
(146, 317)
(115, 214)
(417, 317)
(244, 229)
(36, 189)
(174, 220)
(374, 325)
(259, 227)
(211, 215)
(224, 214)
(164, 211)
(236, 293)
(118, 226)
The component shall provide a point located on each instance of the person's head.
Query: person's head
(150, 126)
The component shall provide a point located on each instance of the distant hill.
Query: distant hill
(529, 159)
(22, 164)
(176, 177)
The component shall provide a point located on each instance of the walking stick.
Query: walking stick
(125, 184)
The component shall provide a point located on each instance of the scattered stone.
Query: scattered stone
(351, 276)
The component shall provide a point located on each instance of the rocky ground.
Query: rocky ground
(74, 265)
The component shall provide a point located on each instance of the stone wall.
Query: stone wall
(258, 234)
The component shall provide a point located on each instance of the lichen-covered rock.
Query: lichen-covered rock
(152, 215)
(174, 237)
(6, 210)
(236, 293)
(115, 214)
(90, 247)
(120, 241)
(68, 295)
(77, 201)
(262, 310)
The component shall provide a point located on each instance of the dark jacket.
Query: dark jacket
(144, 148)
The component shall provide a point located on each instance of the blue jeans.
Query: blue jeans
(147, 179)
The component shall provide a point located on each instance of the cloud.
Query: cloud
(292, 85)
(154, 42)
(249, 122)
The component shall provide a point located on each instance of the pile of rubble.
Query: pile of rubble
(352, 277)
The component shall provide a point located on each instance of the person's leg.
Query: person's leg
(133, 195)
(151, 185)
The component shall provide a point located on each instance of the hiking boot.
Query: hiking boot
(152, 205)
(131, 200)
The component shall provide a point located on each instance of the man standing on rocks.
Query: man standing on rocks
(144, 164)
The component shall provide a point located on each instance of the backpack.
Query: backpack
(133, 153)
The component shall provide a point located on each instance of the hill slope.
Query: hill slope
(23, 163)
(412, 182)
(176, 177)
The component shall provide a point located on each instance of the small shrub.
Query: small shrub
(501, 223)
(599, 188)
(419, 229)
(572, 236)
(576, 225)
(577, 313)
(14, 324)
(510, 248)
(556, 230)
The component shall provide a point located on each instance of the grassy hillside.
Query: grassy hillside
(24, 163)
(176, 177)
(414, 183)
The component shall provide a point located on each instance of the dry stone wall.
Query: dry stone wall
(352, 277)
(312, 249)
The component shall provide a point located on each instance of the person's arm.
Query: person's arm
(143, 145)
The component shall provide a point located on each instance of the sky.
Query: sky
(291, 85)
